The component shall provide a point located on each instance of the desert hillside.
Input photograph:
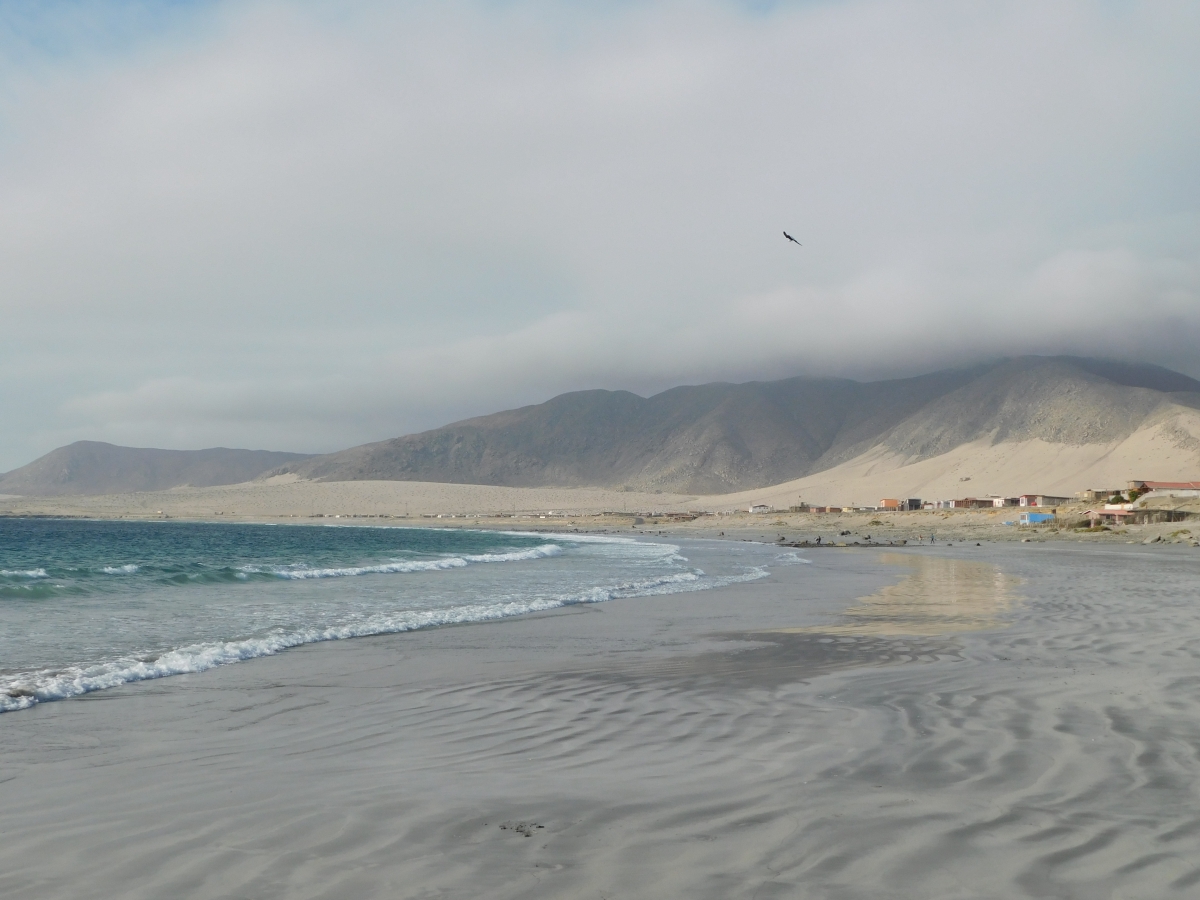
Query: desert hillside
(1167, 448)
(721, 438)
(1056, 424)
(92, 467)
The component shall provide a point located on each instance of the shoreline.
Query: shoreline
(867, 530)
(725, 743)
(399, 610)
(439, 505)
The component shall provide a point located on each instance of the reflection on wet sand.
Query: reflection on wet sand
(908, 622)
(941, 596)
(784, 656)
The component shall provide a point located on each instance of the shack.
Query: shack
(1175, 488)
(1114, 516)
(1030, 518)
(1042, 500)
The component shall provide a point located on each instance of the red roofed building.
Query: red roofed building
(1110, 516)
(1174, 487)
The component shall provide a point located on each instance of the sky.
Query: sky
(303, 226)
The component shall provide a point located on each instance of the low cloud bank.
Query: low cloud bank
(302, 227)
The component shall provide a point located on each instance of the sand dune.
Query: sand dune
(1168, 450)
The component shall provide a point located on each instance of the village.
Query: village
(1132, 504)
(1141, 512)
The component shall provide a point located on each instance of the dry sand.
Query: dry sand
(287, 497)
(672, 746)
(1166, 451)
(467, 505)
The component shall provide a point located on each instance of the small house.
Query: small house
(1042, 500)
(1091, 495)
(1110, 516)
(1178, 488)
(1028, 518)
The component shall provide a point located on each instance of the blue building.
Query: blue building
(1032, 518)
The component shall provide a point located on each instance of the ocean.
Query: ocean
(89, 605)
(968, 721)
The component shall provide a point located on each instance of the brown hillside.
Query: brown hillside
(717, 438)
(92, 467)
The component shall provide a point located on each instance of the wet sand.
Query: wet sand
(823, 733)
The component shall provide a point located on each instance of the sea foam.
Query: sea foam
(403, 566)
(26, 689)
(128, 569)
(24, 573)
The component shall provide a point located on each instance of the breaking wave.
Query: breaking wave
(120, 570)
(20, 691)
(402, 566)
(24, 573)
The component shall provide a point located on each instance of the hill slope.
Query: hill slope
(92, 467)
(717, 438)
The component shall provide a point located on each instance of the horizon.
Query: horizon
(308, 226)
(964, 367)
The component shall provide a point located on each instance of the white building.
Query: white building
(1043, 500)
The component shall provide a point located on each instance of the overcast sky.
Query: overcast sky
(302, 226)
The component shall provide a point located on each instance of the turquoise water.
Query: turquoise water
(91, 605)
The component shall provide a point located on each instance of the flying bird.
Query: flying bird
(792, 239)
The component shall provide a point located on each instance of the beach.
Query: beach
(744, 450)
(591, 510)
(288, 498)
(815, 733)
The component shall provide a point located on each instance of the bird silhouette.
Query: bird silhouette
(792, 239)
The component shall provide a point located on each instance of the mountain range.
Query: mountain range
(93, 467)
(719, 438)
(712, 438)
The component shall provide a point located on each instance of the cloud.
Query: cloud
(304, 226)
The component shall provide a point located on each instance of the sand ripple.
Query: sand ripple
(1055, 755)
